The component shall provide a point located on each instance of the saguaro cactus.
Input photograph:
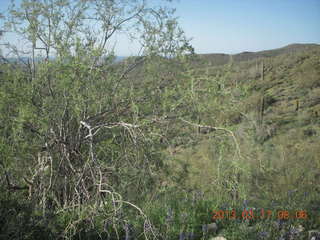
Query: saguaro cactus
(262, 100)
(262, 71)
(261, 109)
(297, 105)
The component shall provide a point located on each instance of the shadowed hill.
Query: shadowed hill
(216, 59)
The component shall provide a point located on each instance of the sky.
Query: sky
(233, 26)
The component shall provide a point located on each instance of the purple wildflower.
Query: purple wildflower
(263, 235)
(182, 236)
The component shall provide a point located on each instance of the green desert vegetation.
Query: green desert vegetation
(150, 147)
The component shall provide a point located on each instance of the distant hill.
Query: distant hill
(216, 59)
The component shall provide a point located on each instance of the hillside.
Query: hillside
(221, 59)
(175, 139)
(271, 103)
(272, 99)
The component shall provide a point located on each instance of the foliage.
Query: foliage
(147, 147)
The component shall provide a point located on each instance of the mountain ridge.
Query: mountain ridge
(223, 58)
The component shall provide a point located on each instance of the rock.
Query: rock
(218, 238)
(211, 228)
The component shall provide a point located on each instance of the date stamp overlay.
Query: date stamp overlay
(251, 214)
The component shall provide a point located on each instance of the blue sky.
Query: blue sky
(232, 26)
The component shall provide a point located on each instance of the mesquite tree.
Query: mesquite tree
(78, 128)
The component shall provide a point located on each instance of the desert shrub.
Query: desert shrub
(19, 220)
